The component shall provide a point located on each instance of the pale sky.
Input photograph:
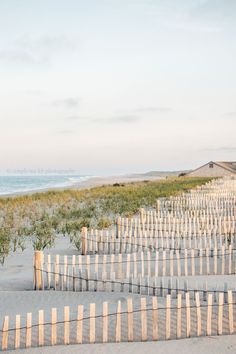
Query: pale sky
(116, 86)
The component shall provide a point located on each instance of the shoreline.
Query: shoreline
(88, 183)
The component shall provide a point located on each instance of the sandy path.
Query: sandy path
(204, 345)
(21, 302)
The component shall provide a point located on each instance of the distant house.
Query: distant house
(214, 169)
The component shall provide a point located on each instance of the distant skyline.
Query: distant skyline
(117, 86)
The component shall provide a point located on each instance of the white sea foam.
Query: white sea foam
(22, 184)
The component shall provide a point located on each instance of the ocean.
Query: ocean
(23, 184)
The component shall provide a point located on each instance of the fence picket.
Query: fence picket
(143, 319)
(92, 314)
(17, 332)
(79, 329)
(54, 326)
(118, 322)
(130, 319)
(41, 328)
(154, 318)
(5, 333)
(168, 319)
(28, 334)
(66, 325)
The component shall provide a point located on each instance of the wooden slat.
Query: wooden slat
(230, 305)
(66, 325)
(79, 331)
(41, 327)
(28, 335)
(105, 323)
(118, 322)
(179, 316)
(130, 320)
(188, 315)
(199, 318)
(143, 319)
(92, 322)
(5, 333)
(209, 314)
(168, 302)
(17, 332)
(220, 313)
(49, 271)
(154, 318)
(54, 326)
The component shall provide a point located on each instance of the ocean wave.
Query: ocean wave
(10, 185)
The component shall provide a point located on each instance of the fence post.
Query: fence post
(28, 330)
(199, 319)
(143, 319)
(49, 271)
(154, 319)
(66, 325)
(105, 322)
(17, 332)
(92, 313)
(168, 298)
(188, 316)
(130, 319)
(79, 334)
(54, 326)
(220, 313)
(37, 270)
(118, 322)
(179, 324)
(84, 234)
(231, 319)
(209, 314)
(56, 271)
(5, 333)
(41, 327)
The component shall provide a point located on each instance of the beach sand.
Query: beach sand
(17, 297)
(203, 345)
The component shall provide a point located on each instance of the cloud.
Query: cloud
(35, 50)
(152, 109)
(16, 56)
(66, 132)
(230, 114)
(214, 9)
(75, 117)
(69, 102)
(45, 43)
(221, 149)
(119, 119)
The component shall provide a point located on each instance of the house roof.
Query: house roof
(227, 165)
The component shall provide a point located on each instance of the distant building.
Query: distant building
(214, 169)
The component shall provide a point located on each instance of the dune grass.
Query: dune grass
(42, 216)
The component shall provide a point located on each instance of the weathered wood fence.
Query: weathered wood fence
(147, 320)
(153, 264)
(186, 235)
(105, 242)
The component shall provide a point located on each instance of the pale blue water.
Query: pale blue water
(21, 184)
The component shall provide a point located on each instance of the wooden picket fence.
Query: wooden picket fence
(187, 235)
(158, 264)
(201, 218)
(106, 242)
(146, 320)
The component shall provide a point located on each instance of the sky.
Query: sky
(117, 86)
